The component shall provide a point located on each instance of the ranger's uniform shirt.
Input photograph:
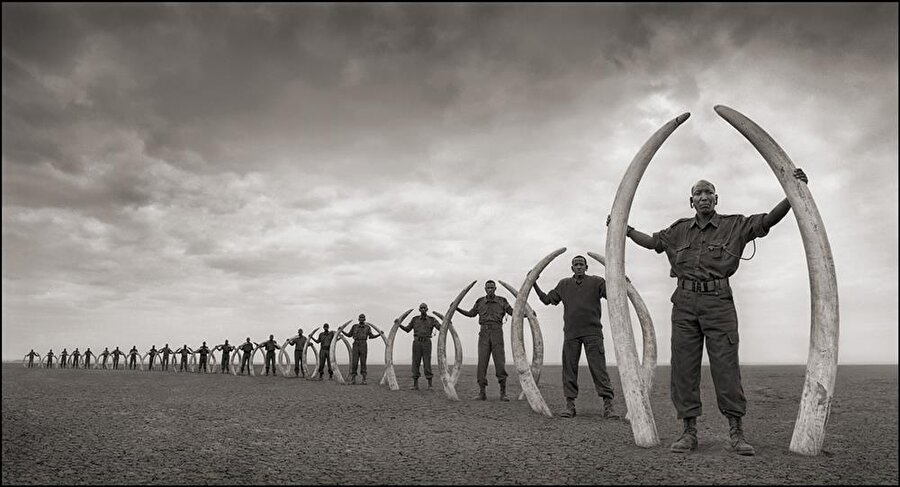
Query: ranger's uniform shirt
(709, 252)
(269, 345)
(203, 351)
(491, 310)
(361, 331)
(325, 339)
(423, 327)
(246, 347)
(298, 343)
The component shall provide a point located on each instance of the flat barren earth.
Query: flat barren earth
(105, 427)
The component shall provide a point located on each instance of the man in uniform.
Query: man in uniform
(204, 353)
(361, 333)
(491, 310)
(152, 353)
(87, 358)
(62, 358)
(580, 296)
(226, 355)
(50, 359)
(704, 251)
(132, 357)
(246, 354)
(270, 346)
(298, 342)
(31, 355)
(165, 351)
(324, 340)
(423, 326)
(76, 358)
(184, 351)
(104, 355)
(116, 353)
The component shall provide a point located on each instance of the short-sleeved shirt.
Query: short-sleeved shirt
(246, 347)
(422, 327)
(361, 331)
(269, 345)
(133, 351)
(581, 304)
(203, 351)
(152, 352)
(712, 251)
(226, 349)
(325, 339)
(165, 351)
(492, 310)
(298, 343)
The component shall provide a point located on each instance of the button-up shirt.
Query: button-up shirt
(361, 331)
(491, 310)
(712, 251)
(298, 343)
(325, 339)
(423, 327)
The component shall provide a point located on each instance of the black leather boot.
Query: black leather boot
(688, 440)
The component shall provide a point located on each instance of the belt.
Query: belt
(703, 286)
(491, 326)
(423, 339)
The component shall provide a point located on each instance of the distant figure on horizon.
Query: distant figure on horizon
(63, 356)
(491, 310)
(132, 357)
(704, 251)
(152, 353)
(31, 355)
(204, 353)
(361, 333)
(50, 359)
(116, 354)
(270, 346)
(104, 354)
(424, 327)
(246, 354)
(298, 342)
(184, 351)
(87, 358)
(165, 351)
(76, 358)
(324, 339)
(580, 296)
(226, 355)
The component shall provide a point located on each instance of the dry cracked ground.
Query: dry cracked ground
(105, 427)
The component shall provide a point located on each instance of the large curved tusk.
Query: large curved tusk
(537, 339)
(648, 332)
(303, 354)
(457, 350)
(211, 363)
(235, 356)
(447, 379)
(821, 365)
(282, 358)
(526, 379)
(338, 376)
(389, 374)
(140, 361)
(636, 399)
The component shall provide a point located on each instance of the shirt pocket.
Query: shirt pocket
(682, 254)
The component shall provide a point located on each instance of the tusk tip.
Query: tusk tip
(722, 109)
(681, 118)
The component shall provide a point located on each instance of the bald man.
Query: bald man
(704, 251)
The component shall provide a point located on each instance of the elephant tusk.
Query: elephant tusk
(389, 374)
(637, 400)
(526, 379)
(821, 366)
(448, 380)
(537, 339)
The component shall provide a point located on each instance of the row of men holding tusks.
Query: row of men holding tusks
(703, 250)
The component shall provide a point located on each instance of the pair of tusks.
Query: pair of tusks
(821, 369)
(537, 341)
(25, 362)
(284, 362)
(390, 375)
(450, 374)
(238, 355)
(210, 362)
(314, 371)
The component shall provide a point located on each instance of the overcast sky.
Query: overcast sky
(174, 174)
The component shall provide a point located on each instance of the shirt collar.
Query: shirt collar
(714, 221)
